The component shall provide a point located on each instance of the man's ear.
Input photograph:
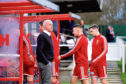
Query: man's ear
(78, 30)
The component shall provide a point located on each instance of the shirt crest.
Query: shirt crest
(97, 42)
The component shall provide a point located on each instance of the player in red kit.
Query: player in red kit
(81, 56)
(56, 62)
(28, 59)
(98, 67)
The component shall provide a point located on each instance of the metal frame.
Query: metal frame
(69, 16)
(59, 17)
(28, 6)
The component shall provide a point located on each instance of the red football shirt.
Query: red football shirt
(27, 51)
(99, 50)
(80, 51)
(55, 68)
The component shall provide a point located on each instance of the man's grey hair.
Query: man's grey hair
(47, 21)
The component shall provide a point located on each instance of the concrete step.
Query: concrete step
(112, 64)
(65, 63)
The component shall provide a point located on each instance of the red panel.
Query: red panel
(8, 4)
(20, 8)
(52, 17)
(37, 10)
(26, 11)
(9, 79)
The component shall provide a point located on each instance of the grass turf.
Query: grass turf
(123, 75)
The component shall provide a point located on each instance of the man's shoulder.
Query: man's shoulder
(83, 37)
(103, 38)
(45, 36)
(42, 34)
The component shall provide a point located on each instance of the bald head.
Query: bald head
(46, 22)
(48, 25)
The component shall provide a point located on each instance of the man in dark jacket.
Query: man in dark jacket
(45, 52)
(109, 34)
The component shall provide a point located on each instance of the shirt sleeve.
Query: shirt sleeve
(26, 45)
(104, 46)
(75, 49)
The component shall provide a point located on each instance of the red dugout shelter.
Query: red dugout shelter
(54, 17)
(10, 31)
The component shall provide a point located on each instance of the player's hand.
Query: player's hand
(31, 58)
(47, 64)
(35, 65)
(59, 57)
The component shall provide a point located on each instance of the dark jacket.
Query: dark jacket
(44, 50)
(109, 36)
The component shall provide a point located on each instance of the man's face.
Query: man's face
(75, 31)
(109, 27)
(49, 26)
(82, 22)
(93, 32)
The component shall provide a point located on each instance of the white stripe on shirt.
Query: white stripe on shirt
(27, 44)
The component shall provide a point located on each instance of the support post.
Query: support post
(21, 50)
(58, 33)
(123, 59)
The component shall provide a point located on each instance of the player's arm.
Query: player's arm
(75, 48)
(25, 39)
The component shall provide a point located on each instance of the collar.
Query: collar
(98, 35)
(80, 35)
(47, 32)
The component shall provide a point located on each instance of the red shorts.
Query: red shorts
(55, 69)
(28, 70)
(28, 66)
(81, 72)
(98, 71)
